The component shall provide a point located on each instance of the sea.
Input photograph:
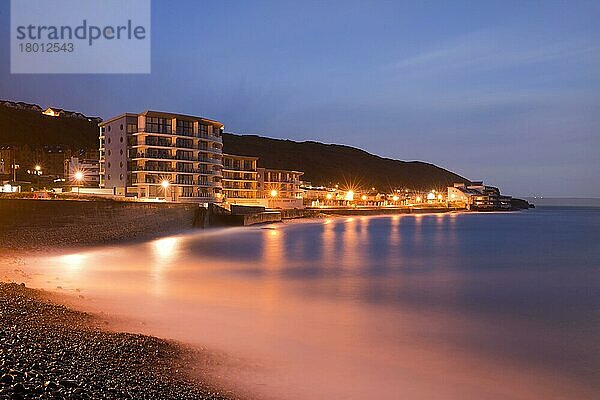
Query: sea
(435, 306)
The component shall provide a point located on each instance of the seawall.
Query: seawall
(30, 224)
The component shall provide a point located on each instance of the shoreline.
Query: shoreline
(43, 225)
(48, 349)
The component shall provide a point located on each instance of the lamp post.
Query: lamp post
(165, 185)
(38, 170)
(79, 179)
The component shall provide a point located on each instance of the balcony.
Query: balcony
(209, 160)
(152, 168)
(162, 156)
(210, 137)
(209, 172)
(210, 150)
(161, 142)
(208, 184)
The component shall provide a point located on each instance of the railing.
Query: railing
(157, 142)
(152, 168)
(210, 150)
(209, 160)
(209, 172)
(162, 156)
(209, 137)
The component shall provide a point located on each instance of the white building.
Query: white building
(162, 155)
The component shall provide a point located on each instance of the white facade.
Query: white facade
(162, 155)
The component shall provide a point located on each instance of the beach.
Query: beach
(50, 351)
(356, 306)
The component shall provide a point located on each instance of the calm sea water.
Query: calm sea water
(447, 306)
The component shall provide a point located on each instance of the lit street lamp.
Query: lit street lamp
(273, 193)
(79, 179)
(165, 185)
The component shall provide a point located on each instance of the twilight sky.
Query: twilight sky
(508, 92)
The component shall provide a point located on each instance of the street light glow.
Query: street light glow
(273, 193)
(38, 168)
(78, 176)
(165, 183)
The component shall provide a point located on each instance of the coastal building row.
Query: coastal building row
(180, 158)
(477, 196)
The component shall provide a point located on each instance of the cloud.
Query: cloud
(492, 50)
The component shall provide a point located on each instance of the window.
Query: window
(203, 129)
(109, 167)
(109, 152)
(109, 140)
(121, 139)
(121, 151)
(121, 164)
(109, 128)
(109, 176)
(121, 177)
(131, 128)
(158, 125)
(121, 127)
(185, 127)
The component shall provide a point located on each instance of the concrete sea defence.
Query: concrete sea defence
(30, 224)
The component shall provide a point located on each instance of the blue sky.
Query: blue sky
(508, 92)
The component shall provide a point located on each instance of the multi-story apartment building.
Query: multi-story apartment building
(281, 187)
(162, 155)
(240, 179)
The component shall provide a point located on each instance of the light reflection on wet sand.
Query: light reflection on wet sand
(355, 308)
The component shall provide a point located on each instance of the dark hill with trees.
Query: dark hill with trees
(330, 164)
(32, 128)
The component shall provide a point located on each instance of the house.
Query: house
(53, 112)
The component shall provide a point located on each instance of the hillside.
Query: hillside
(329, 164)
(32, 128)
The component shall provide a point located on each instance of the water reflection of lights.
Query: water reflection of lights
(73, 261)
(165, 249)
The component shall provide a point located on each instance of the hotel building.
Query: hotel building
(162, 155)
(280, 187)
(240, 179)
